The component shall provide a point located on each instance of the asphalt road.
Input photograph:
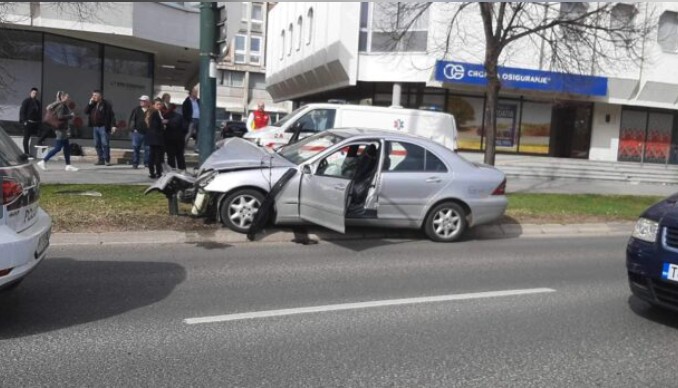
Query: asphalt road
(122, 316)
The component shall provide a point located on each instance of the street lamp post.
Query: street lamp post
(208, 84)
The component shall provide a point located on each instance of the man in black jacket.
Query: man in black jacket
(102, 122)
(30, 117)
(190, 111)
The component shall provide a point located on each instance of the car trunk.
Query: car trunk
(20, 195)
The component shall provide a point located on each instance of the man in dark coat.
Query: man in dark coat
(102, 122)
(174, 139)
(190, 110)
(30, 117)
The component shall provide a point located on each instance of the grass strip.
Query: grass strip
(126, 208)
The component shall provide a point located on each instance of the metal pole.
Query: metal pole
(208, 84)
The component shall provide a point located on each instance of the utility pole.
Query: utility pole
(208, 83)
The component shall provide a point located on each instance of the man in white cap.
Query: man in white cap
(137, 125)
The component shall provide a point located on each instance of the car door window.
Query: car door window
(433, 163)
(404, 157)
(317, 120)
(344, 163)
(407, 157)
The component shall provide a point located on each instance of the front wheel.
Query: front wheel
(446, 222)
(239, 208)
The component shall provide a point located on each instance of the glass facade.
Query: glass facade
(648, 136)
(21, 68)
(52, 63)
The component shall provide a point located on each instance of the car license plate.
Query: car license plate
(670, 272)
(43, 243)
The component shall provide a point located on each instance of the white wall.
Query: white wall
(605, 135)
(326, 61)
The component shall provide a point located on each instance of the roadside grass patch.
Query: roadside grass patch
(126, 208)
(119, 208)
(577, 208)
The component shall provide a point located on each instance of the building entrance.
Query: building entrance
(571, 130)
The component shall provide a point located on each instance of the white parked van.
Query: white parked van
(314, 118)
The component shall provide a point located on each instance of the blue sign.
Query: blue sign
(514, 78)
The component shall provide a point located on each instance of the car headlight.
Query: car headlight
(207, 177)
(646, 230)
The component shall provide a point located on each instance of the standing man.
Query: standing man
(102, 121)
(190, 110)
(30, 117)
(258, 119)
(139, 127)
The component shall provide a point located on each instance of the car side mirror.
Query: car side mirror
(306, 169)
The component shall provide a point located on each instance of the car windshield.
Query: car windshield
(287, 117)
(307, 148)
(10, 154)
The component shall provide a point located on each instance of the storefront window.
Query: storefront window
(127, 75)
(73, 66)
(535, 128)
(632, 135)
(508, 117)
(20, 56)
(645, 136)
(468, 112)
(658, 140)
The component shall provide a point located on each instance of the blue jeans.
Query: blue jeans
(101, 143)
(58, 146)
(138, 141)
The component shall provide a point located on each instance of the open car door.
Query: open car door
(322, 200)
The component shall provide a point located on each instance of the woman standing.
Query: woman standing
(60, 110)
(155, 138)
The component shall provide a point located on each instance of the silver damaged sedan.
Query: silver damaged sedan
(344, 177)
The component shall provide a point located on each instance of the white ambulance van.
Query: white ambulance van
(314, 118)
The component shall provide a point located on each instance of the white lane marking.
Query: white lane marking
(364, 305)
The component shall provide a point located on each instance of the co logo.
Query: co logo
(453, 72)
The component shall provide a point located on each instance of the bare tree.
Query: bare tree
(575, 37)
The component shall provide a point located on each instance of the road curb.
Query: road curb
(224, 236)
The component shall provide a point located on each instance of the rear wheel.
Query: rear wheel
(446, 222)
(239, 208)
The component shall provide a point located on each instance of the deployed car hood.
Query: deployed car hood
(237, 153)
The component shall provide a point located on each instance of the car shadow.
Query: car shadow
(652, 313)
(63, 292)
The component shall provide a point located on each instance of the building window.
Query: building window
(572, 11)
(257, 16)
(257, 81)
(255, 50)
(667, 33)
(622, 16)
(364, 28)
(282, 44)
(240, 49)
(291, 33)
(402, 20)
(234, 79)
(309, 35)
(300, 34)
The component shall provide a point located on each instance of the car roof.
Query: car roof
(367, 132)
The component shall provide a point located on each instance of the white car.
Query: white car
(24, 227)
